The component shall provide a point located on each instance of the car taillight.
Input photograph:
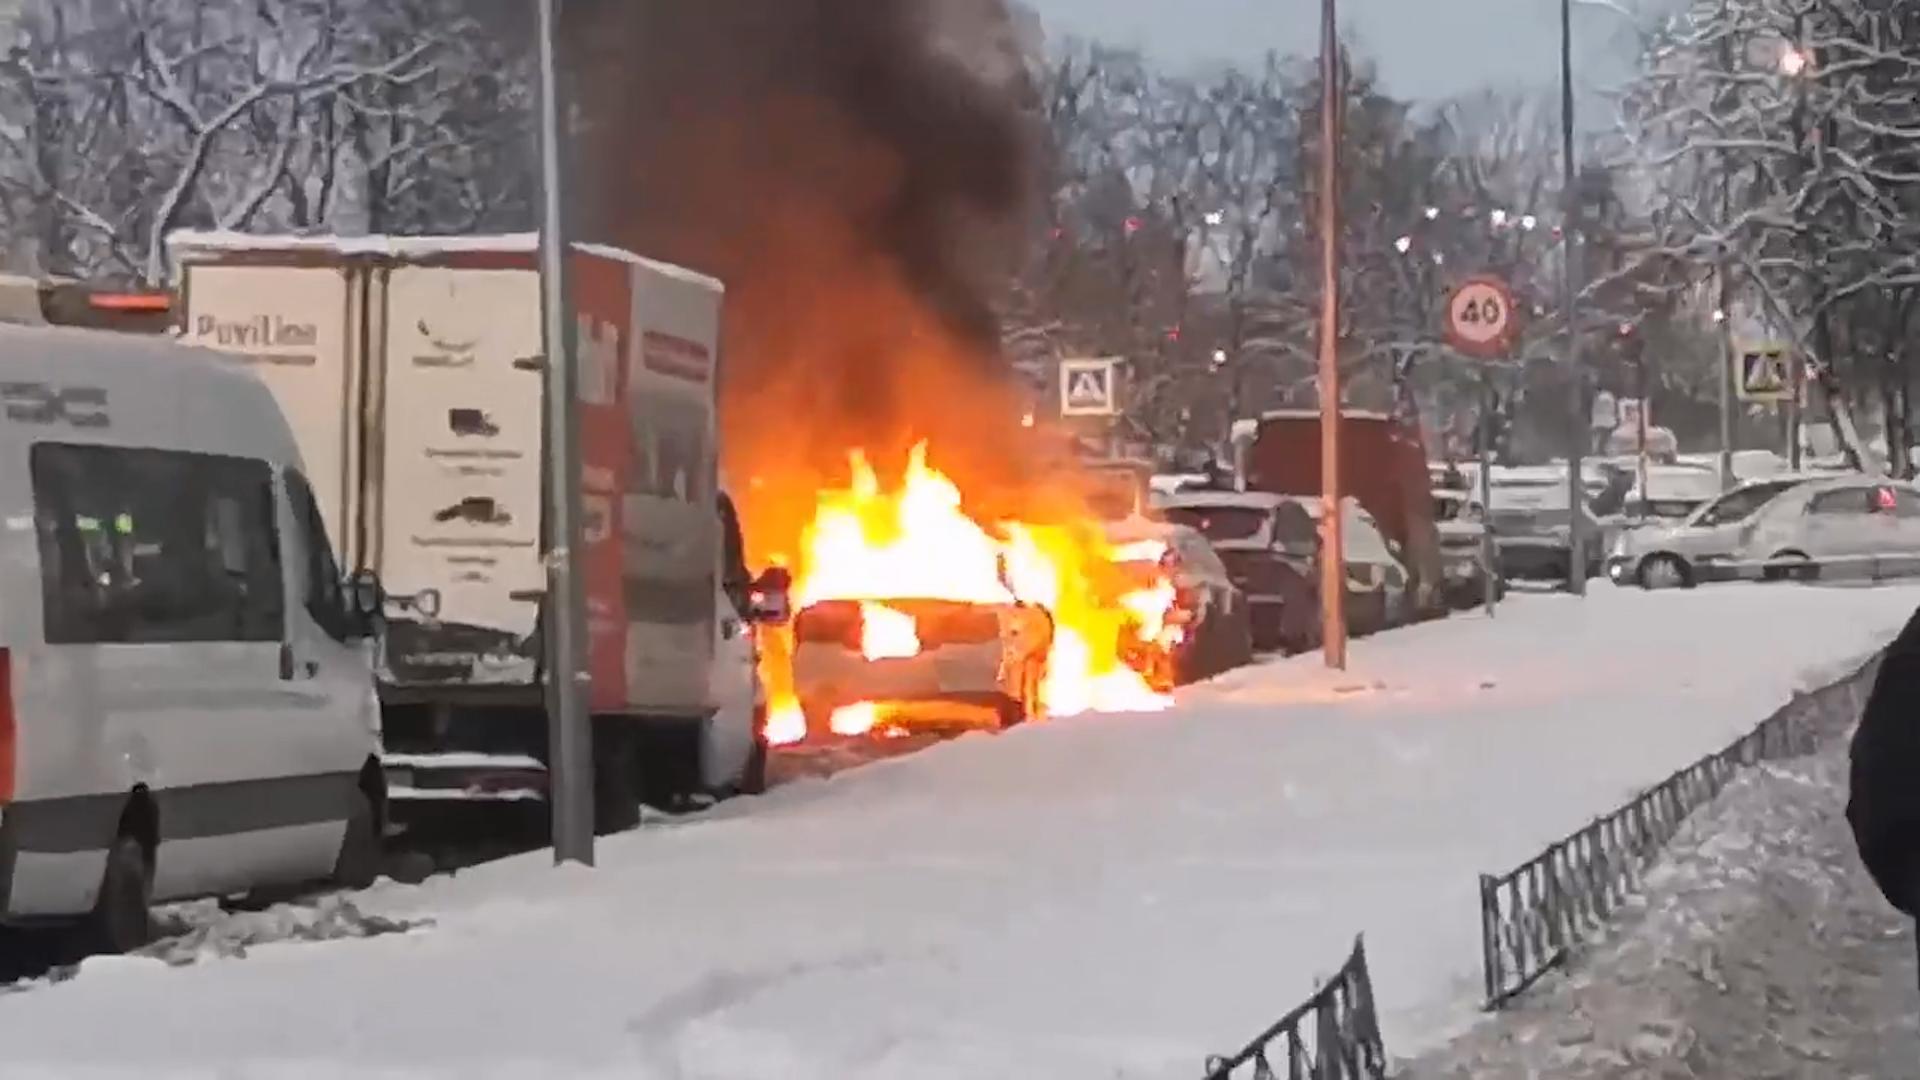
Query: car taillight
(9, 747)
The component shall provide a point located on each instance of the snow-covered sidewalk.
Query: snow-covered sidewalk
(1111, 896)
(1760, 948)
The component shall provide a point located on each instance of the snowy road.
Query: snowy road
(1111, 897)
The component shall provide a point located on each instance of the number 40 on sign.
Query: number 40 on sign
(1482, 319)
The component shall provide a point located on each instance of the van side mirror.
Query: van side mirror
(770, 601)
(365, 601)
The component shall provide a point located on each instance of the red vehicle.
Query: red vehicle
(1383, 465)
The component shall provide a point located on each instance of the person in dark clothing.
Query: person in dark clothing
(1883, 803)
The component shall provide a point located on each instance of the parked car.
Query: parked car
(1532, 521)
(1214, 610)
(1683, 554)
(187, 701)
(1271, 543)
(1463, 533)
(1673, 493)
(1848, 527)
(1747, 464)
(1379, 588)
(1267, 545)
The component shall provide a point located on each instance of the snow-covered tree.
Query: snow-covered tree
(1776, 142)
(122, 120)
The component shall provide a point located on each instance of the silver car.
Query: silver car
(1848, 527)
(1699, 546)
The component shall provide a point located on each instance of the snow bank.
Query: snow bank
(1113, 897)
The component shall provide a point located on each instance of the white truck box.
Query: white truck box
(411, 371)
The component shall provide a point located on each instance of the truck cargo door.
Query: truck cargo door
(461, 499)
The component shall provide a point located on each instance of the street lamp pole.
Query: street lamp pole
(1333, 562)
(569, 738)
(1570, 294)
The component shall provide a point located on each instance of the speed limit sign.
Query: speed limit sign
(1482, 319)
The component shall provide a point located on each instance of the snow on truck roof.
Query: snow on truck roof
(187, 243)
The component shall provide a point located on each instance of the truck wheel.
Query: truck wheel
(122, 919)
(358, 864)
(616, 769)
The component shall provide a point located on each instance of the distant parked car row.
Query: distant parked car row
(1270, 545)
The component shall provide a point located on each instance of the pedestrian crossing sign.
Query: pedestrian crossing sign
(1764, 372)
(1089, 387)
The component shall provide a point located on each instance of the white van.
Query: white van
(186, 700)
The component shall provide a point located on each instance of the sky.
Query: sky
(1426, 49)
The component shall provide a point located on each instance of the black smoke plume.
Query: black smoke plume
(858, 172)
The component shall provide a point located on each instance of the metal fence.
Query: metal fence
(1533, 915)
(1333, 1035)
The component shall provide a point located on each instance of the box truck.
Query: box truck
(411, 370)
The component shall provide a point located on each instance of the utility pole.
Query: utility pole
(1570, 293)
(1333, 558)
(569, 736)
(1796, 64)
(1723, 314)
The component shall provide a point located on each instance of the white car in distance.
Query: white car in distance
(1850, 527)
(1700, 546)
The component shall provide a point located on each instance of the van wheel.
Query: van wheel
(358, 864)
(122, 917)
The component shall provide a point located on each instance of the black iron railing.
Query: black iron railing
(1333, 1035)
(1533, 915)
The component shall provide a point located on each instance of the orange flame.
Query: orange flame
(870, 544)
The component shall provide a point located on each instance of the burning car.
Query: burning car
(913, 615)
(1209, 628)
(919, 663)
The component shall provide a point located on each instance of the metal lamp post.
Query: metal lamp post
(1570, 297)
(570, 738)
(1333, 562)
